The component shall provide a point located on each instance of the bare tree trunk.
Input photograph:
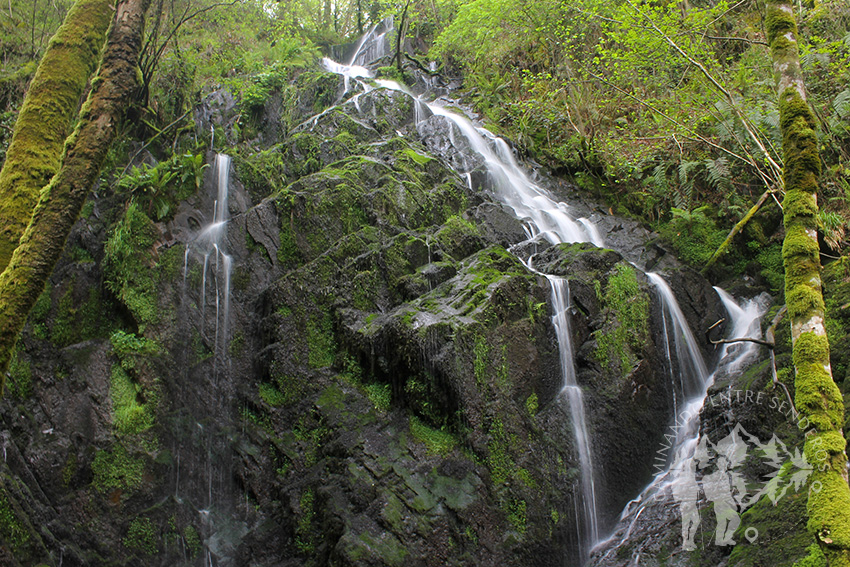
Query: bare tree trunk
(817, 397)
(61, 200)
(45, 118)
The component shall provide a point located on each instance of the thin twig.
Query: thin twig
(744, 39)
(743, 340)
(149, 142)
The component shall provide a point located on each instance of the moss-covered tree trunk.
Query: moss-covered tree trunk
(45, 118)
(61, 200)
(818, 399)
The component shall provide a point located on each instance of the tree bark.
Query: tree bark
(61, 200)
(45, 118)
(817, 397)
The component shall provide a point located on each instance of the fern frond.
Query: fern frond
(841, 104)
(718, 174)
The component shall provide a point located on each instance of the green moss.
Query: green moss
(499, 460)
(62, 332)
(19, 383)
(803, 301)
(117, 469)
(142, 537)
(481, 351)
(305, 537)
(12, 531)
(129, 264)
(320, 340)
(811, 348)
(627, 317)
(437, 441)
(272, 396)
(130, 416)
(45, 118)
(532, 404)
(815, 558)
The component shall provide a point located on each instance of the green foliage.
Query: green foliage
(142, 536)
(437, 441)
(117, 469)
(130, 348)
(694, 235)
(128, 265)
(12, 530)
(517, 515)
(627, 316)
(305, 538)
(380, 395)
(192, 539)
(158, 188)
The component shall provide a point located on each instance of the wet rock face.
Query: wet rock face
(386, 390)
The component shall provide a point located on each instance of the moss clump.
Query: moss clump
(130, 416)
(117, 469)
(305, 538)
(627, 307)
(437, 441)
(19, 383)
(320, 340)
(12, 530)
(129, 263)
(141, 536)
(532, 404)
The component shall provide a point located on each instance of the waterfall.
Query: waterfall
(572, 391)
(543, 216)
(745, 321)
(693, 374)
(211, 244)
(209, 250)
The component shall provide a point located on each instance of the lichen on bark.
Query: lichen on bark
(817, 397)
(45, 119)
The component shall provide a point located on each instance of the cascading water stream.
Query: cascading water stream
(693, 373)
(745, 321)
(572, 391)
(208, 249)
(543, 217)
(549, 218)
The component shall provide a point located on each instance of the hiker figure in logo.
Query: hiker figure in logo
(686, 490)
(726, 489)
